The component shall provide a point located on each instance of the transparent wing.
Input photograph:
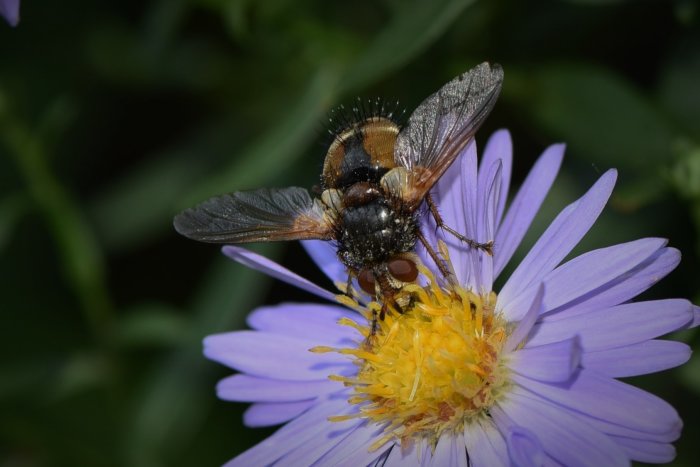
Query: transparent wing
(262, 215)
(443, 125)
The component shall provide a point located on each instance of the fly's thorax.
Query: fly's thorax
(373, 232)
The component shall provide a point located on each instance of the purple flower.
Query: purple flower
(470, 376)
(9, 9)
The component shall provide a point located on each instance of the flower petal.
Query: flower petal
(307, 321)
(273, 356)
(311, 451)
(392, 457)
(526, 323)
(486, 447)
(565, 437)
(245, 388)
(499, 147)
(559, 239)
(637, 359)
(9, 9)
(311, 424)
(524, 447)
(624, 287)
(487, 206)
(325, 256)
(609, 428)
(274, 413)
(455, 195)
(450, 451)
(354, 450)
(695, 322)
(616, 326)
(608, 399)
(596, 268)
(646, 451)
(272, 269)
(555, 362)
(525, 205)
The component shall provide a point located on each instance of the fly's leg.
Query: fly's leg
(387, 293)
(487, 247)
(433, 254)
(348, 285)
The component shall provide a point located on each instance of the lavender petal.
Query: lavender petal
(314, 449)
(308, 321)
(645, 451)
(499, 147)
(594, 269)
(524, 447)
(637, 359)
(308, 426)
(274, 356)
(274, 413)
(525, 205)
(246, 388)
(565, 437)
(526, 323)
(695, 322)
(485, 444)
(487, 206)
(555, 362)
(9, 9)
(272, 269)
(609, 400)
(449, 451)
(623, 288)
(325, 256)
(616, 326)
(354, 450)
(560, 238)
(455, 195)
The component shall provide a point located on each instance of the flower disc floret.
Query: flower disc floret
(432, 369)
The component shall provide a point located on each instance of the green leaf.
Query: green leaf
(685, 174)
(415, 26)
(80, 372)
(278, 148)
(678, 90)
(12, 208)
(603, 119)
(149, 325)
(595, 2)
(139, 206)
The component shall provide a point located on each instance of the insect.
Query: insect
(375, 177)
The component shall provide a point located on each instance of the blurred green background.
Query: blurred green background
(114, 115)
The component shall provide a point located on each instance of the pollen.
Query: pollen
(433, 368)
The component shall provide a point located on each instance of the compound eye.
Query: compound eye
(403, 269)
(367, 281)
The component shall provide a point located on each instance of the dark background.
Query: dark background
(114, 115)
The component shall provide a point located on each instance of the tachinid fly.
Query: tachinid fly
(375, 177)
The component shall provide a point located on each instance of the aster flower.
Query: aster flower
(525, 375)
(9, 9)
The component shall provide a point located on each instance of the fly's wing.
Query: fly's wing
(262, 215)
(443, 125)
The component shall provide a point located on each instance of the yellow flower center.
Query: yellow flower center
(431, 369)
